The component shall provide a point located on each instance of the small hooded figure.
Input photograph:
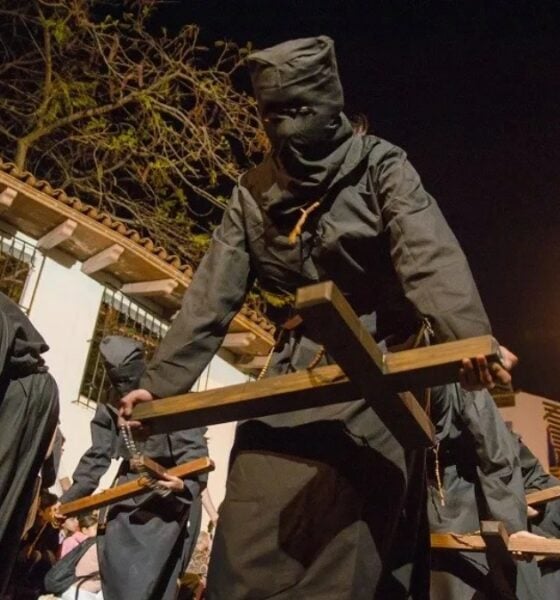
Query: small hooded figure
(28, 418)
(322, 503)
(148, 539)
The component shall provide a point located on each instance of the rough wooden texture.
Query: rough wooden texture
(130, 489)
(542, 496)
(151, 466)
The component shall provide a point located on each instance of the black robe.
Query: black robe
(28, 417)
(324, 503)
(148, 539)
(481, 479)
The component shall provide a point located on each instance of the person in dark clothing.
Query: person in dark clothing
(148, 539)
(28, 418)
(479, 478)
(322, 503)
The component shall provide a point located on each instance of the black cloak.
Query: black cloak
(322, 503)
(28, 417)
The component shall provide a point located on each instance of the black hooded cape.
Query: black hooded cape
(28, 418)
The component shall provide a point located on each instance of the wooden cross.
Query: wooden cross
(129, 489)
(363, 371)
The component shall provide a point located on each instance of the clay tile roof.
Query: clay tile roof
(121, 228)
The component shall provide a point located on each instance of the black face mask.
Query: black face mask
(309, 130)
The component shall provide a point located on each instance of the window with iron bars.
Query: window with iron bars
(17, 261)
(117, 316)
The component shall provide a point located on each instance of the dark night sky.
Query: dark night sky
(471, 90)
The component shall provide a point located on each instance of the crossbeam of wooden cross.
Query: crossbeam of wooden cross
(363, 371)
(469, 542)
(129, 489)
(543, 496)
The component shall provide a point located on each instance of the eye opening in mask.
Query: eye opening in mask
(283, 111)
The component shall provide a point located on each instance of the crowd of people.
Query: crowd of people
(322, 503)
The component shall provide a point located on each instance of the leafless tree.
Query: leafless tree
(144, 124)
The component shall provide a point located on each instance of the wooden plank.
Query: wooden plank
(103, 259)
(254, 362)
(331, 320)
(59, 234)
(273, 395)
(475, 543)
(438, 364)
(159, 287)
(7, 197)
(129, 489)
(152, 467)
(542, 496)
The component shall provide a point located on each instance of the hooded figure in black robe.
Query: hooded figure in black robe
(28, 418)
(322, 503)
(481, 479)
(148, 539)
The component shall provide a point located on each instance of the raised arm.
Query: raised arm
(214, 296)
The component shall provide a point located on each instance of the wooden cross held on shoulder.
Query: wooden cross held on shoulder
(363, 371)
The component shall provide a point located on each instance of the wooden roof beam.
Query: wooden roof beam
(7, 196)
(102, 259)
(56, 236)
(158, 287)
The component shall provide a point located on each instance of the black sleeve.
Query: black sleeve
(96, 460)
(427, 257)
(213, 298)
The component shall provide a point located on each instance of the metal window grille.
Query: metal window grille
(17, 261)
(117, 316)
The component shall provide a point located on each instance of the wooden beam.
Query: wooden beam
(102, 259)
(542, 496)
(238, 341)
(56, 236)
(475, 543)
(159, 287)
(128, 489)
(331, 320)
(7, 197)
(273, 395)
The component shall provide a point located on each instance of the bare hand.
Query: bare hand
(477, 374)
(171, 483)
(128, 402)
(526, 535)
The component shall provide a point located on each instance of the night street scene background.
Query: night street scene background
(471, 91)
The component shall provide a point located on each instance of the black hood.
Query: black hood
(124, 362)
(21, 345)
(300, 99)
